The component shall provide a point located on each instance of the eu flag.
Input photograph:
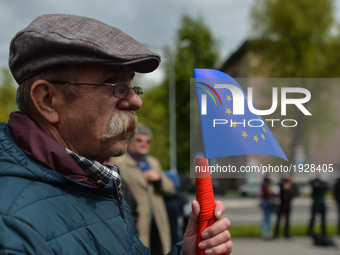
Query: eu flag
(229, 128)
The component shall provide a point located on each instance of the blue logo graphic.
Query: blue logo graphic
(229, 128)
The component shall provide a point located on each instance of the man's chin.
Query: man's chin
(120, 152)
(118, 145)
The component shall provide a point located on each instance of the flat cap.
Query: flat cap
(54, 40)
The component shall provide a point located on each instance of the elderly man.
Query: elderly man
(76, 109)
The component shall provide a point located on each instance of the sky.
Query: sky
(151, 22)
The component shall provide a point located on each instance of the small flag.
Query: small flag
(229, 128)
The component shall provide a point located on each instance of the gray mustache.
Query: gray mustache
(125, 122)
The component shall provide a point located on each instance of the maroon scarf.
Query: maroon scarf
(44, 149)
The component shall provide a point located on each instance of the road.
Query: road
(293, 246)
(243, 211)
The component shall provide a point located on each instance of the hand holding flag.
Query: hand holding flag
(215, 239)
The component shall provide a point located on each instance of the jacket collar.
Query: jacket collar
(40, 146)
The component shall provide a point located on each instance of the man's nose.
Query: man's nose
(132, 102)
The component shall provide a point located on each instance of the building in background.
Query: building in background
(245, 63)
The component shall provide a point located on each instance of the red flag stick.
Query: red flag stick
(205, 197)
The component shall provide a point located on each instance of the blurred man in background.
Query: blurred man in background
(319, 189)
(145, 177)
(288, 190)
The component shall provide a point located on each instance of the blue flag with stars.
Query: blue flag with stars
(229, 128)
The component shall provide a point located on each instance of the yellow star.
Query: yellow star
(244, 134)
(228, 111)
(262, 135)
(229, 98)
(255, 138)
(264, 130)
(234, 124)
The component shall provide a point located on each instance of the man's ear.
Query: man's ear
(43, 96)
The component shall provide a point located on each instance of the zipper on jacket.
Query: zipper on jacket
(120, 202)
(121, 207)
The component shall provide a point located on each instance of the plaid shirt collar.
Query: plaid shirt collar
(97, 171)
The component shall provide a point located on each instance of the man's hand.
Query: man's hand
(216, 238)
(151, 175)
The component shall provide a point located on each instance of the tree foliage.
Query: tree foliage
(296, 41)
(296, 34)
(201, 51)
(7, 95)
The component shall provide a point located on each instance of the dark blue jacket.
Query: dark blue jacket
(43, 212)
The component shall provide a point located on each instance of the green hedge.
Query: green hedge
(255, 230)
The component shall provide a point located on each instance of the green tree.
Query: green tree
(296, 42)
(7, 95)
(295, 34)
(201, 51)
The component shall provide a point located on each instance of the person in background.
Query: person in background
(319, 189)
(77, 108)
(269, 193)
(336, 194)
(145, 177)
(288, 190)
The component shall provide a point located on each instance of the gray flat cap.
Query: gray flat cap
(58, 39)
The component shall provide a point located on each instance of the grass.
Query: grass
(297, 230)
